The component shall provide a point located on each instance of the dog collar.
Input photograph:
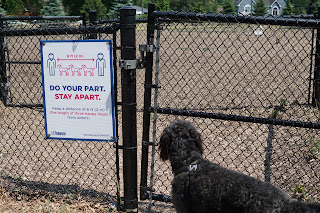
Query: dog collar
(193, 166)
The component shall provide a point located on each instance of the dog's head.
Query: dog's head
(179, 131)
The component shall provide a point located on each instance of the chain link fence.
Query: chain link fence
(249, 86)
(30, 165)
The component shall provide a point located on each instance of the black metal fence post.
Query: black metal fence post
(84, 19)
(3, 73)
(93, 22)
(84, 23)
(316, 79)
(147, 104)
(129, 117)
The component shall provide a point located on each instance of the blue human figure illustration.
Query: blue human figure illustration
(100, 64)
(51, 64)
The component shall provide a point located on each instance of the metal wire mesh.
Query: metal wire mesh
(230, 69)
(30, 164)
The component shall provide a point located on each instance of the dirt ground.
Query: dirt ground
(10, 204)
(226, 68)
(214, 68)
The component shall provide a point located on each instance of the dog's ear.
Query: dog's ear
(199, 145)
(164, 140)
(198, 142)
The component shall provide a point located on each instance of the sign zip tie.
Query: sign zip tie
(148, 143)
(147, 48)
(147, 189)
(125, 147)
(152, 86)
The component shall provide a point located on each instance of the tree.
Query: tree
(198, 7)
(115, 9)
(163, 5)
(94, 5)
(288, 10)
(2, 11)
(205, 6)
(178, 5)
(260, 8)
(73, 7)
(220, 2)
(213, 6)
(314, 9)
(228, 7)
(13, 7)
(52, 8)
(107, 4)
(300, 6)
(310, 8)
(146, 3)
(33, 6)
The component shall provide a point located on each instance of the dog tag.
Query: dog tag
(193, 167)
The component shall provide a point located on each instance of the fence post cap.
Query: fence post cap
(126, 8)
(130, 11)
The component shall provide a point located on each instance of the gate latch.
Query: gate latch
(147, 48)
(128, 64)
(140, 62)
(131, 64)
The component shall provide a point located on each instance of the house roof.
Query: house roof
(273, 2)
(139, 9)
(268, 2)
(237, 2)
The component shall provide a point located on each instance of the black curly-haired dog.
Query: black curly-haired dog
(200, 186)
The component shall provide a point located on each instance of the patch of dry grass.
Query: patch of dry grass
(12, 203)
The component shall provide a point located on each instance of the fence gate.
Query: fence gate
(249, 85)
(31, 165)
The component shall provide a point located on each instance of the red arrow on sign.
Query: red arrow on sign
(77, 59)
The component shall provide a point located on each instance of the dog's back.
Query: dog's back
(212, 188)
(209, 188)
(301, 207)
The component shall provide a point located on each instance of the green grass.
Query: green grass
(314, 150)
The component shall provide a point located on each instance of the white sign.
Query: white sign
(78, 96)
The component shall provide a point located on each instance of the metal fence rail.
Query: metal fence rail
(66, 169)
(30, 165)
(249, 84)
